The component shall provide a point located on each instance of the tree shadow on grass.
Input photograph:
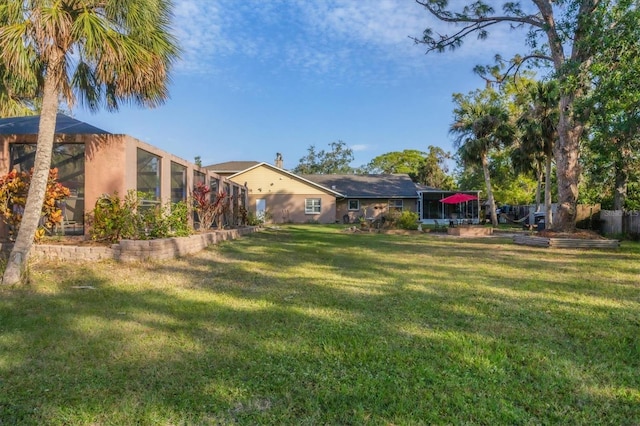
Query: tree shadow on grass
(247, 333)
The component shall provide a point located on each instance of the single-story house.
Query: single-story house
(279, 196)
(369, 196)
(92, 162)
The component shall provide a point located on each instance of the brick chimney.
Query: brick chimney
(278, 162)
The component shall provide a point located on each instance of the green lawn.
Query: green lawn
(313, 325)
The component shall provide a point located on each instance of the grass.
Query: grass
(312, 325)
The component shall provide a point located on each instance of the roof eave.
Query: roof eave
(293, 175)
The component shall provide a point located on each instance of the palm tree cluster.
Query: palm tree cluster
(524, 124)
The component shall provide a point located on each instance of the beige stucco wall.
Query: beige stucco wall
(263, 180)
(289, 208)
(285, 196)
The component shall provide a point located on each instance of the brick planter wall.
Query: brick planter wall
(470, 231)
(135, 250)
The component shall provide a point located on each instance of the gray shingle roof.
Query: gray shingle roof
(231, 166)
(368, 186)
(64, 125)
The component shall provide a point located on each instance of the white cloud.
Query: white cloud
(199, 27)
(344, 39)
(359, 147)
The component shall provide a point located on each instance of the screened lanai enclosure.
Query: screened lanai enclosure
(68, 158)
(431, 208)
(92, 162)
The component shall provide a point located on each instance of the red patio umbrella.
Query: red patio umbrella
(458, 198)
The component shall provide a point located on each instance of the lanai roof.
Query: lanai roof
(64, 124)
(368, 186)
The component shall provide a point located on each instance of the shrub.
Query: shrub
(391, 219)
(14, 187)
(152, 223)
(252, 219)
(178, 219)
(408, 220)
(114, 219)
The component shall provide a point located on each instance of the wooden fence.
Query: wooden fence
(620, 222)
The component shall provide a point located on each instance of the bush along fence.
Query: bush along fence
(620, 222)
(135, 250)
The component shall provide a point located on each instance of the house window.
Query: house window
(354, 205)
(312, 206)
(395, 205)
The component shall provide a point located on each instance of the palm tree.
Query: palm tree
(481, 124)
(539, 131)
(103, 51)
(16, 95)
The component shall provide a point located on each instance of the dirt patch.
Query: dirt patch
(401, 232)
(383, 231)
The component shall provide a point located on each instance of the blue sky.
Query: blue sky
(258, 77)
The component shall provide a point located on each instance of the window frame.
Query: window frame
(312, 205)
(392, 204)
(351, 209)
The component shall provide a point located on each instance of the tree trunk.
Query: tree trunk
(487, 182)
(16, 271)
(567, 168)
(621, 184)
(547, 192)
(538, 187)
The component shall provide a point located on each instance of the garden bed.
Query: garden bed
(470, 231)
(562, 241)
(81, 249)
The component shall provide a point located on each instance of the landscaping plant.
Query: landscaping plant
(114, 219)
(408, 220)
(13, 195)
(209, 207)
(178, 219)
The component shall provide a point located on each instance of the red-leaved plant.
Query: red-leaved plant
(209, 209)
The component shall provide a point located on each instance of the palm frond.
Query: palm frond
(103, 51)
